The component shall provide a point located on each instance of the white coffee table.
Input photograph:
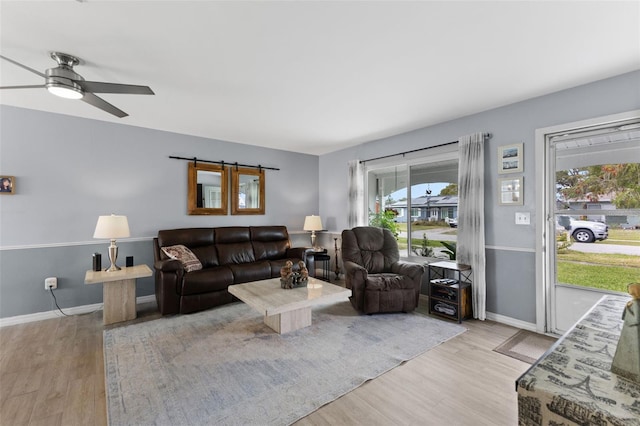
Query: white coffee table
(287, 310)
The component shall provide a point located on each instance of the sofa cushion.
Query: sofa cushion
(233, 234)
(235, 253)
(179, 252)
(208, 255)
(207, 280)
(190, 237)
(254, 271)
(269, 242)
(267, 250)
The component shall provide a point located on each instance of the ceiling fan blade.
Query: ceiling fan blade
(23, 66)
(37, 86)
(99, 87)
(97, 102)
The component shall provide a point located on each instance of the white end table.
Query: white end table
(118, 291)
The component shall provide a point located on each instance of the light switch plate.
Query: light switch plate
(523, 218)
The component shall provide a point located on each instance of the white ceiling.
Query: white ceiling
(314, 76)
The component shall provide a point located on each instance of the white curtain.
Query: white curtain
(470, 246)
(356, 214)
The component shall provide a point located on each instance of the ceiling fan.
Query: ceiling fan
(63, 81)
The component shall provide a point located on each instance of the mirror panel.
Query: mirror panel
(207, 194)
(247, 191)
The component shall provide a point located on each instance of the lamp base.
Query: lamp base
(113, 256)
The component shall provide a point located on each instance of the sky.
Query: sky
(419, 190)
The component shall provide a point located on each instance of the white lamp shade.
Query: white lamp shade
(112, 227)
(312, 223)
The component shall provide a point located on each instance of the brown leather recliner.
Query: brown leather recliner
(378, 279)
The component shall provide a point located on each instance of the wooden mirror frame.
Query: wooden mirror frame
(192, 192)
(235, 191)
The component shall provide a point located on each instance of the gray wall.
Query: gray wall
(511, 258)
(71, 170)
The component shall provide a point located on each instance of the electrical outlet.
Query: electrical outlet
(523, 218)
(51, 283)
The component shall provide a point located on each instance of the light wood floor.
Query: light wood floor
(52, 373)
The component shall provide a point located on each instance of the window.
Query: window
(416, 197)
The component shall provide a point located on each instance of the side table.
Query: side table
(324, 261)
(450, 297)
(118, 291)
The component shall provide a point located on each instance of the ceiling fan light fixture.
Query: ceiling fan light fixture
(64, 91)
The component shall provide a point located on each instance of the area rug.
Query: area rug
(526, 346)
(225, 367)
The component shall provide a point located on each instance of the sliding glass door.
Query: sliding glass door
(417, 200)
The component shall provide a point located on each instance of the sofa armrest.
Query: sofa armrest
(168, 265)
(297, 253)
(168, 279)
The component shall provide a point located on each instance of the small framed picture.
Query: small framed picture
(7, 185)
(510, 158)
(511, 191)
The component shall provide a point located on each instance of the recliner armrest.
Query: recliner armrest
(412, 270)
(355, 274)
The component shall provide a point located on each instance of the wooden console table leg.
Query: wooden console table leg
(119, 298)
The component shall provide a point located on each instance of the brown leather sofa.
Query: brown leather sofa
(378, 279)
(229, 255)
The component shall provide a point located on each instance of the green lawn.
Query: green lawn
(614, 278)
(606, 259)
(629, 237)
(598, 270)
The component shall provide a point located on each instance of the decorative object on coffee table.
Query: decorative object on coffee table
(626, 361)
(304, 272)
(291, 279)
(286, 273)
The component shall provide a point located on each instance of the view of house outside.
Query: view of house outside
(598, 226)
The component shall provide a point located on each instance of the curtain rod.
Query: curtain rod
(486, 135)
(223, 163)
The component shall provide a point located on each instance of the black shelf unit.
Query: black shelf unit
(450, 290)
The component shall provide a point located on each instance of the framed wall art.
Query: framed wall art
(7, 185)
(511, 191)
(510, 158)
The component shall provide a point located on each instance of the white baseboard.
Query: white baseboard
(76, 310)
(503, 319)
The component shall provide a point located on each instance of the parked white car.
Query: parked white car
(583, 231)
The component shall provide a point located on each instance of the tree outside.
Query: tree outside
(622, 181)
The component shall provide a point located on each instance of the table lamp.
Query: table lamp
(313, 224)
(112, 227)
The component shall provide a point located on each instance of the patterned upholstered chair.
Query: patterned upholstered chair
(378, 279)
